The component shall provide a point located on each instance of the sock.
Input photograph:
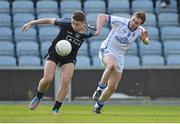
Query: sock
(99, 104)
(39, 94)
(101, 86)
(57, 105)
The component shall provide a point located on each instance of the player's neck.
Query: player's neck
(131, 28)
(83, 29)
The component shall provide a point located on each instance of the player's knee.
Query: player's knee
(111, 67)
(48, 79)
(65, 82)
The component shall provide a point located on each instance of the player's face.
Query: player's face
(77, 25)
(135, 22)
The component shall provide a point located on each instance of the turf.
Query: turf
(77, 114)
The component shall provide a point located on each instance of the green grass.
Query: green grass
(78, 113)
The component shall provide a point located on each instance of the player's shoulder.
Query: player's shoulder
(90, 27)
(118, 19)
(63, 20)
(141, 28)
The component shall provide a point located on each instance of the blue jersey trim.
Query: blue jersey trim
(119, 22)
(129, 27)
(109, 19)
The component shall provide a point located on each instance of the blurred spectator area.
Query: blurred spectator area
(28, 48)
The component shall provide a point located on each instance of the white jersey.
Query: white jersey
(121, 36)
(119, 40)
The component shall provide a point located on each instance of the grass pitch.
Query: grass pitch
(83, 114)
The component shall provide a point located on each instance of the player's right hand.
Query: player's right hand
(26, 26)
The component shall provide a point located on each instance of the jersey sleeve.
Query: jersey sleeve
(89, 33)
(61, 22)
(141, 29)
(92, 30)
(116, 21)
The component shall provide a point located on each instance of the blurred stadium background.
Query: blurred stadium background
(151, 72)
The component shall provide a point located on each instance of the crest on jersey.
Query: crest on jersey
(73, 40)
(77, 35)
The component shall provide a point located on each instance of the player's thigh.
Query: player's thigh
(109, 59)
(67, 71)
(49, 69)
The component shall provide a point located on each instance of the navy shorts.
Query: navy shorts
(59, 60)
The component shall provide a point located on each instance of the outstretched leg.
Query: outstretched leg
(110, 65)
(108, 91)
(44, 83)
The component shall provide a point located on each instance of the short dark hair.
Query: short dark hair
(79, 16)
(140, 14)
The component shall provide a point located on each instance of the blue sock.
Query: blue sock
(99, 104)
(101, 86)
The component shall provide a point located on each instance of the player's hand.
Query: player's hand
(144, 35)
(97, 33)
(26, 26)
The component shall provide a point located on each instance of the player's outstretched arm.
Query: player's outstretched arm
(28, 25)
(144, 37)
(102, 18)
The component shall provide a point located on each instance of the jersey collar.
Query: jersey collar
(130, 28)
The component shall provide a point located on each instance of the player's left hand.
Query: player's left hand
(97, 33)
(144, 35)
